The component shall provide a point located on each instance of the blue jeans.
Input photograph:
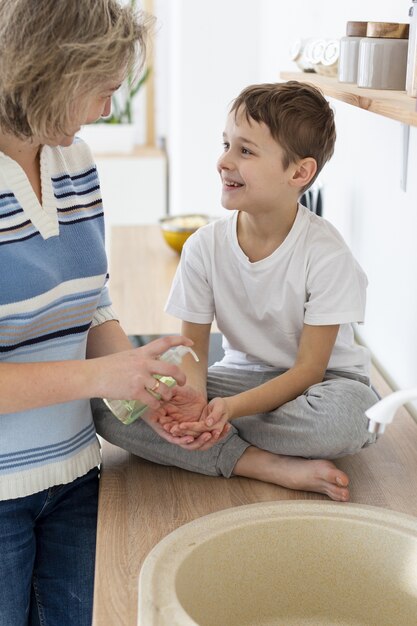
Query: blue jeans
(47, 552)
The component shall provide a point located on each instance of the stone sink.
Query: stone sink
(291, 563)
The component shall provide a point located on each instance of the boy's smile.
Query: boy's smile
(229, 185)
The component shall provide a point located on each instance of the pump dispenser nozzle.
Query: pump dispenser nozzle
(176, 354)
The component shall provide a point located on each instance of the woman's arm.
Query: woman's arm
(112, 369)
(106, 338)
(33, 385)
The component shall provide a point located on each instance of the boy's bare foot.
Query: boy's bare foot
(293, 472)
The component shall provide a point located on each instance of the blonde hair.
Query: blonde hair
(56, 52)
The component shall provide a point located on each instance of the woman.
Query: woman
(60, 344)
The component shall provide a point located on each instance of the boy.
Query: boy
(284, 289)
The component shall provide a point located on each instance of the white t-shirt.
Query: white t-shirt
(260, 307)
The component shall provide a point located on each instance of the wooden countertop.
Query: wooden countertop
(140, 502)
(141, 272)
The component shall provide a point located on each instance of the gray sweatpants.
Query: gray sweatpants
(327, 421)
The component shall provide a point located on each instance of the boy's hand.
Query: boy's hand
(188, 442)
(185, 405)
(217, 413)
(214, 418)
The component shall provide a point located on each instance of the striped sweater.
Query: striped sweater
(53, 273)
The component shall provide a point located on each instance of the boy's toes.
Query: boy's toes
(343, 495)
(342, 480)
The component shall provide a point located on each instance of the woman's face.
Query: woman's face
(98, 105)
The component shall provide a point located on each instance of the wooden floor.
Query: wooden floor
(140, 503)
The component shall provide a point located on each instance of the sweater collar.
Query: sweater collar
(43, 216)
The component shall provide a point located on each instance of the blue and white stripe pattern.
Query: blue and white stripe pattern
(52, 281)
(76, 196)
(13, 223)
(50, 452)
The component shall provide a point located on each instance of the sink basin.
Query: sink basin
(284, 563)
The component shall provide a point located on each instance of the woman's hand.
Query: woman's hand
(129, 375)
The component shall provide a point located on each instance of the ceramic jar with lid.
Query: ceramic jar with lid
(382, 60)
(349, 51)
(411, 76)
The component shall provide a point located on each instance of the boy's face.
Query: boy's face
(253, 177)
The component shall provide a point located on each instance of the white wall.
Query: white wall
(133, 190)
(213, 50)
(363, 196)
(213, 54)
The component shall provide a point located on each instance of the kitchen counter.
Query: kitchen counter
(140, 502)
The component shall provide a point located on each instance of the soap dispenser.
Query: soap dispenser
(127, 411)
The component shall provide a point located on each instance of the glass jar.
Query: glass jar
(382, 60)
(314, 51)
(349, 51)
(297, 54)
(329, 62)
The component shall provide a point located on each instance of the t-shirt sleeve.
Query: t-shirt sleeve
(191, 295)
(336, 290)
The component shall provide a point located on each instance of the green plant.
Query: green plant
(122, 111)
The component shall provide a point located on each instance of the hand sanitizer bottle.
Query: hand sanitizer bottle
(127, 411)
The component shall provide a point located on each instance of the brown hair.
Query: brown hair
(298, 116)
(53, 52)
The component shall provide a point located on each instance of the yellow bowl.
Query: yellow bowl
(177, 228)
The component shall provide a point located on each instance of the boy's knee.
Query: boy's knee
(342, 398)
(102, 416)
(341, 406)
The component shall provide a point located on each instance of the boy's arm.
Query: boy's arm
(313, 355)
(196, 372)
(315, 348)
(187, 403)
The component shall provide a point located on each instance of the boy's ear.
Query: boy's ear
(304, 172)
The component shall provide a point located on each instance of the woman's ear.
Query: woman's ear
(304, 172)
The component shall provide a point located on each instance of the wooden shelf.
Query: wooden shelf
(393, 104)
